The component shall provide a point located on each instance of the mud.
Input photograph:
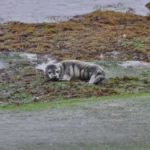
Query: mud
(116, 124)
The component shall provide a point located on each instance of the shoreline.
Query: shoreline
(94, 36)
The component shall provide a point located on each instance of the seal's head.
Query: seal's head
(53, 72)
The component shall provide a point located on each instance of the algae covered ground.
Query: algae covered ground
(104, 37)
(21, 82)
(87, 37)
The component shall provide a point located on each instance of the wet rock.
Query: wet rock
(124, 35)
(136, 58)
(148, 17)
(63, 49)
(148, 5)
(1, 33)
(130, 11)
(36, 99)
(24, 34)
(148, 55)
(113, 54)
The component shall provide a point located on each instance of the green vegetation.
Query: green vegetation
(71, 102)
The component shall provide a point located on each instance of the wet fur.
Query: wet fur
(75, 69)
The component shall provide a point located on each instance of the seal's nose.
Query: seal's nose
(54, 77)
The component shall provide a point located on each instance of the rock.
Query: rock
(148, 5)
(130, 11)
(1, 33)
(148, 55)
(124, 35)
(136, 58)
(36, 99)
(148, 17)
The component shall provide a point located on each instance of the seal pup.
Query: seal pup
(75, 69)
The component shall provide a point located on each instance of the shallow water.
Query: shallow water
(56, 10)
(134, 64)
(8, 59)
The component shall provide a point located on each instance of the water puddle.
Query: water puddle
(9, 59)
(2, 65)
(135, 64)
(116, 68)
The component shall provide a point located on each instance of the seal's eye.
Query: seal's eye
(57, 71)
(49, 72)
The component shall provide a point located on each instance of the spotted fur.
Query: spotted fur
(75, 69)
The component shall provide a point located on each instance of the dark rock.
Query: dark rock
(148, 5)
(1, 33)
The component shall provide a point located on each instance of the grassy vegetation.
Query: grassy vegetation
(69, 102)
